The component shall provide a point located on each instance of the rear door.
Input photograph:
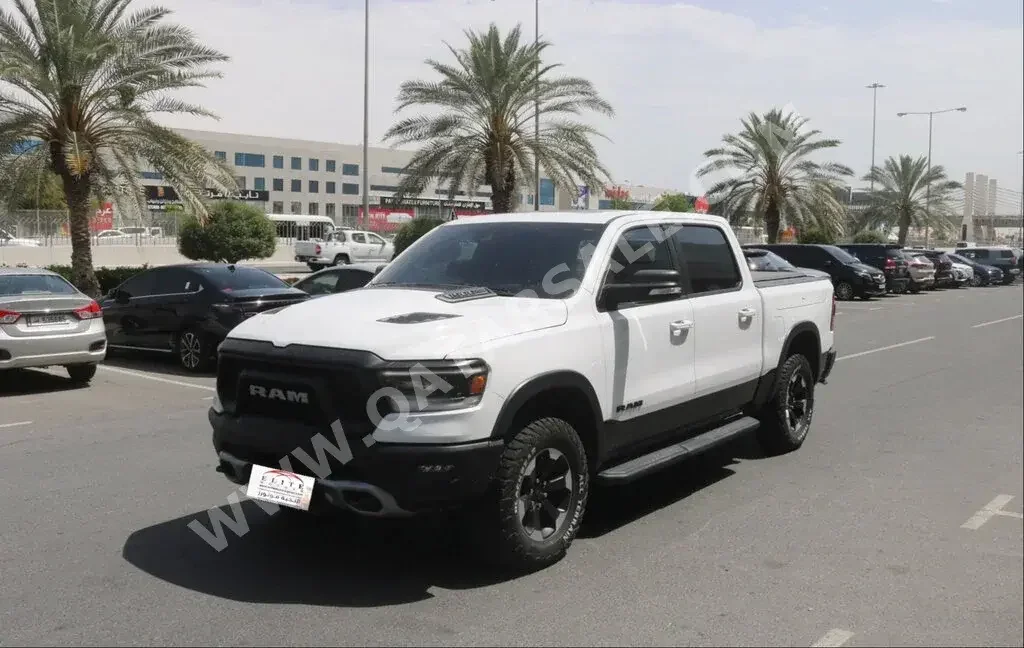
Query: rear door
(175, 294)
(727, 316)
(361, 248)
(124, 319)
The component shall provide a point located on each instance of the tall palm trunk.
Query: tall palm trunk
(77, 193)
(772, 219)
(501, 195)
(904, 228)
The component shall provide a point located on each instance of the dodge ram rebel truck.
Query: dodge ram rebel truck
(506, 363)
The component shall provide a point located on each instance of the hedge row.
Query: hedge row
(109, 278)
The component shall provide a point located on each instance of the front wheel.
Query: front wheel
(193, 351)
(844, 291)
(786, 419)
(541, 490)
(976, 281)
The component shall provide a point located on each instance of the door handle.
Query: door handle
(679, 326)
(747, 313)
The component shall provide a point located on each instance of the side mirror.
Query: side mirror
(642, 286)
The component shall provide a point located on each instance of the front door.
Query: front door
(377, 247)
(649, 347)
(361, 248)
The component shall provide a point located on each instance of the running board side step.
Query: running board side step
(664, 457)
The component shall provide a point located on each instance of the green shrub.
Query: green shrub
(233, 231)
(817, 236)
(868, 236)
(411, 231)
(109, 278)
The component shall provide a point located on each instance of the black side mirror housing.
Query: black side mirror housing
(643, 286)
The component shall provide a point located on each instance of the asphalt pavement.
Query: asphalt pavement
(898, 522)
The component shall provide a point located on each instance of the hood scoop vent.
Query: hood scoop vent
(416, 318)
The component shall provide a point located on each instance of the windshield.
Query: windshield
(959, 259)
(841, 255)
(31, 284)
(767, 262)
(231, 278)
(507, 257)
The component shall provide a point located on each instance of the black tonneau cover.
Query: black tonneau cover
(783, 278)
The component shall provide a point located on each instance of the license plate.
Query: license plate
(280, 487)
(45, 320)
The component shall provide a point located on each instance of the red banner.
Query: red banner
(385, 219)
(101, 221)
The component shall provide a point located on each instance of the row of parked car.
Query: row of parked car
(868, 270)
(186, 310)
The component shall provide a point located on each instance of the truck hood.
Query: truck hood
(401, 324)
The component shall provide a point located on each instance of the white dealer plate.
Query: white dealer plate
(280, 487)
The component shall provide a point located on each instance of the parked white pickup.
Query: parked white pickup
(342, 247)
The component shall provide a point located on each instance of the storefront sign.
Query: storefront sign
(159, 198)
(389, 201)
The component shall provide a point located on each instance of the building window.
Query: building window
(297, 164)
(296, 186)
(330, 210)
(350, 169)
(314, 186)
(332, 166)
(278, 184)
(250, 160)
(152, 175)
(278, 161)
(547, 192)
(278, 207)
(259, 184)
(221, 156)
(314, 164)
(296, 207)
(390, 188)
(350, 189)
(314, 209)
(331, 187)
(387, 169)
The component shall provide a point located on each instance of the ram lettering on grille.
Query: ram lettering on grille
(273, 393)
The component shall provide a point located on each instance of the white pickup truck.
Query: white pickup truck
(507, 362)
(343, 246)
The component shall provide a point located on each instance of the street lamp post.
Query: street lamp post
(536, 110)
(1021, 237)
(874, 126)
(928, 190)
(366, 114)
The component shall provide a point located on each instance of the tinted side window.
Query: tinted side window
(1006, 254)
(795, 255)
(352, 279)
(639, 249)
(141, 285)
(359, 238)
(709, 259)
(173, 281)
(322, 284)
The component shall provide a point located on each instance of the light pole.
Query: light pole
(366, 115)
(874, 127)
(928, 190)
(1021, 238)
(536, 109)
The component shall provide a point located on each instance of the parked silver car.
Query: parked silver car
(45, 321)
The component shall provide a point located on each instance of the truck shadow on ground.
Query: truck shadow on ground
(23, 382)
(351, 562)
(153, 362)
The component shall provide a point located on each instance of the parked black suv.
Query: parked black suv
(943, 265)
(887, 257)
(850, 277)
(984, 275)
(188, 309)
(1003, 258)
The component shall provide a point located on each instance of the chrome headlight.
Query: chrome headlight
(434, 385)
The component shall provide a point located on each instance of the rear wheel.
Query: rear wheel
(81, 373)
(786, 419)
(193, 351)
(341, 259)
(844, 291)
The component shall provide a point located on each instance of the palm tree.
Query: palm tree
(902, 196)
(482, 133)
(772, 177)
(80, 83)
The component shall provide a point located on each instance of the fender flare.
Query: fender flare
(766, 386)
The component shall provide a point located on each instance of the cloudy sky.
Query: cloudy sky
(678, 73)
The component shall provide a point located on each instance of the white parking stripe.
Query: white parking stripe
(998, 321)
(992, 509)
(885, 348)
(136, 374)
(833, 638)
(18, 424)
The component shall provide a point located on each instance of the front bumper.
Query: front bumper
(379, 479)
(50, 351)
(828, 361)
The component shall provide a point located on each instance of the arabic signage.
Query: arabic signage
(101, 221)
(471, 205)
(159, 198)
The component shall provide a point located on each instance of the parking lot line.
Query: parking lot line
(833, 638)
(998, 321)
(18, 424)
(136, 374)
(885, 348)
(989, 511)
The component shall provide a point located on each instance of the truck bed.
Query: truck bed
(784, 278)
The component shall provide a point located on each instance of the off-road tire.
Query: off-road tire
(516, 550)
(775, 434)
